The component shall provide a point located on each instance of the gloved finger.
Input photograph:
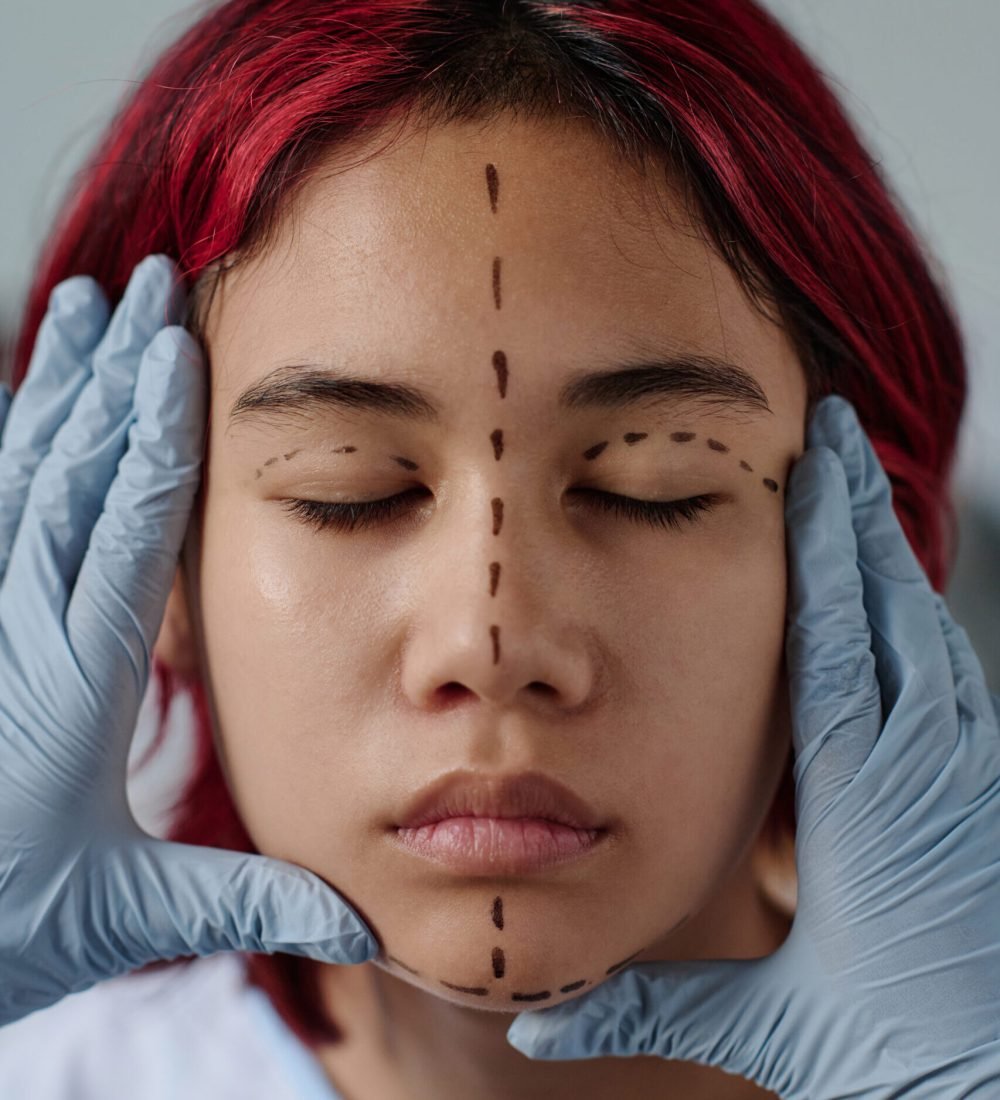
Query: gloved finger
(976, 706)
(5, 399)
(185, 899)
(128, 570)
(59, 368)
(691, 1011)
(900, 602)
(68, 490)
(835, 706)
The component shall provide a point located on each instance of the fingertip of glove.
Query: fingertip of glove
(833, 418)
(158, 265)
(816, 469)
(78, 306)
(176, 344)
(172, 359)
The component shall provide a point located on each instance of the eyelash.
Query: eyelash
(672, 514)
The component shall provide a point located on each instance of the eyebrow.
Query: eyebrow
(309, 389)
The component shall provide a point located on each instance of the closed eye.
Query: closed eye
(326, 515)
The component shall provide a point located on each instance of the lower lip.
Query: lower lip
(493, 845)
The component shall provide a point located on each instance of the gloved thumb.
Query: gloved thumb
(692, 1011)
(184, 899)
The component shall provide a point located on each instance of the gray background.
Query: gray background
(919, 77)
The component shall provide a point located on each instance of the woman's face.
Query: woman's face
(639, 664)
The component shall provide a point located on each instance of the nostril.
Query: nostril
(452, 691)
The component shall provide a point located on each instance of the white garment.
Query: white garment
(183, 1033)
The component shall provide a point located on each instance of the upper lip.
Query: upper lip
(470, 794)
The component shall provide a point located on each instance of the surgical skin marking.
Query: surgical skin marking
(631, 438)
(398, 962)
(275, 459)
(619, 965)
(496, 437)
(500, 366)
(496, 281)
(501, 370)
(593, 452)
(493, 183)
(499, 961)
(497, 504)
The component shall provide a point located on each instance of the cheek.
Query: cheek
(711, 676)
(281, 629)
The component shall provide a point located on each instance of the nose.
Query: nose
(491, 638)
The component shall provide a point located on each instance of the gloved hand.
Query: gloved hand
(100, 457)
(889, 983)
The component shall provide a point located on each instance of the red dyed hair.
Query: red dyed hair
(206, 153)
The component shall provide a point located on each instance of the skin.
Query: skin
(641, 666)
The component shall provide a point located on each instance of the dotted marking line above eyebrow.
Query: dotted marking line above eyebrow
(717, 446)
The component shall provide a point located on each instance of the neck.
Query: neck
(402, 1043)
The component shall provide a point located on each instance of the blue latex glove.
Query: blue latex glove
(100, 457)
(889, 982)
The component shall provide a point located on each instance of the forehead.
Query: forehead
(385, 259)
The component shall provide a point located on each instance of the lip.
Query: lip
(498, 846)
(499, 824)
(524, 795)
